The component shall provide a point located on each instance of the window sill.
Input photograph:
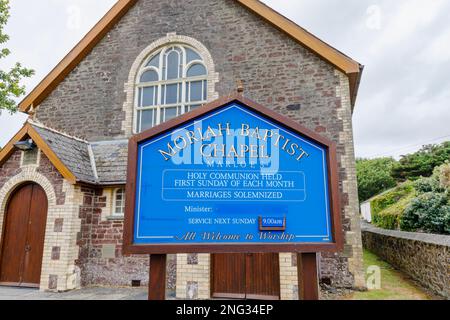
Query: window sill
(115, 218)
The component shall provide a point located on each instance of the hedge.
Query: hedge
(388, 207)
(430, 212)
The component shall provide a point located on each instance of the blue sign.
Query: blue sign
(210, 180)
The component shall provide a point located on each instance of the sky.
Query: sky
(404, 97)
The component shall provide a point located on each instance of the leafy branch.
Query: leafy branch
(10, 81)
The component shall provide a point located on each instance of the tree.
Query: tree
(374, 176)
(10, 86)
(421, 163)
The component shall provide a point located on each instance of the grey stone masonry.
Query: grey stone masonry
(424, 257)
(275, 70)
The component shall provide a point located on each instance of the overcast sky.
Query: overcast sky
(404, 96)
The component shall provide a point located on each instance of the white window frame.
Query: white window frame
(184, 104)
(114, 206)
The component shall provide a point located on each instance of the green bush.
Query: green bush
(391, 197)
(374, 176)
(426, 185)
(387, 221)
(429, 212)
(388, 208)
(442, 174)
(390, 217)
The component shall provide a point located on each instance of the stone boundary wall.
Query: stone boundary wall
(424, 257)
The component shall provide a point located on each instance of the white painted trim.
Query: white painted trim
(42, 126)
(92, 160)
(114, 203)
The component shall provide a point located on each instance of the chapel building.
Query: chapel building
(63, 175)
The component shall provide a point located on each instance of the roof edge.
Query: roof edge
(303, 37)
(76, 55)
(28, 129)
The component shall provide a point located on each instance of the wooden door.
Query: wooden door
(23, 237)
(228, 276)
(246, 276)
(263, 276)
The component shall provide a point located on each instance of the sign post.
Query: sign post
(157, 281)
(308, 282)
(232, 177)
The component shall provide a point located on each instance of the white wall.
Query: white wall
(366, 211)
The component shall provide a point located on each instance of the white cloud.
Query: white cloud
(438, 50)
(403, 19)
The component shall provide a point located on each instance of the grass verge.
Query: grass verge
(394, 284)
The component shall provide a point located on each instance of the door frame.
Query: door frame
(238, 296)
(3, 231)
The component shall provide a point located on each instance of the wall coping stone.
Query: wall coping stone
(436, 239)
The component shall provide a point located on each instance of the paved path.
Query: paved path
(8, 293)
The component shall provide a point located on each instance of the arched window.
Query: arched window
(171, 82)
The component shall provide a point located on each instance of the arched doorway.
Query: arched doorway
(22, 243)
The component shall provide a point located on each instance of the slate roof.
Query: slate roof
(102, 163)
(111, 159)
(74, 153)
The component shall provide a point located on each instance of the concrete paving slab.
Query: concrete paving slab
(9, 293)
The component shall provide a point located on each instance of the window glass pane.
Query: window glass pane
(196, 91)
(187, 86)
(196, 70)
(191, 55)
(147, 117)
(138, 123)
(193, 107)
(173, 62)
(140, 97)
(172, 93)
(168, 113)
(149, 76)
(154, 62)
(205, 90)
(148, 96)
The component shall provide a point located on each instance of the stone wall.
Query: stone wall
(13, 166)
(424, 257)
(100, 241)
(193, 276)
(288, 276)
